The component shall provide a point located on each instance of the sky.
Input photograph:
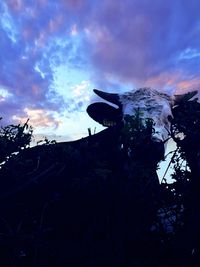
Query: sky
(53, 53)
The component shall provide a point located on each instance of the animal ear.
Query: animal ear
(112, 98)
(184, 97)
(104, 114)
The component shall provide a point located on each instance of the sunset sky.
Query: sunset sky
(53, 53)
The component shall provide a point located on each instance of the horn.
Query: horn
(113, 98)
(184, 97)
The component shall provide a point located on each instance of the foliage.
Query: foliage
(136, 137)
(105, 192)
(185, 131)
(181, 197)
(46, 141)
(14, 138)
(136, 130)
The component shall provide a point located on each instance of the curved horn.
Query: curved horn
(184, 97)
(113, 98)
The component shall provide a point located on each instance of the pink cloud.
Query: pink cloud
(74, 30)
(176, 82)
(38, 118)
(139, 41)
(55, 23)
(75, 4)
(188, 85)
(15, 5)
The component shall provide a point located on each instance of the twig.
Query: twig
(170, 153)
(169, 165)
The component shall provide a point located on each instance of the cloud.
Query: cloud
(39, 118)
(54, 52)
(74, 30)
(35, 40)
(137, 40)
(15, 5)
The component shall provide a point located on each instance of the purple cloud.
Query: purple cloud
(138, 40)
(32, 46)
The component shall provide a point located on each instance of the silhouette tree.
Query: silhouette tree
(14, 138)
(180, 200)
(107, 191)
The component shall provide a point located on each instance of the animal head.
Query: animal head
(150, 104)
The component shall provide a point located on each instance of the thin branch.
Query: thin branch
(169, 165)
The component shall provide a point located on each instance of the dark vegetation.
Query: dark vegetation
(97, 201)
